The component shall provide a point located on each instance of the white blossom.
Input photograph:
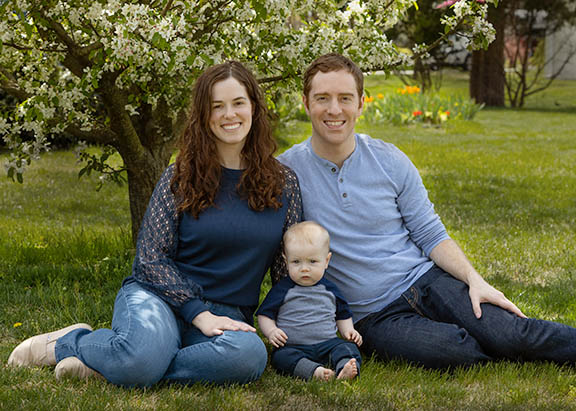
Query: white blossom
(462, 9)
(4, 126)
(131, 109)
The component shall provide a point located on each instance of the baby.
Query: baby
(302, 312)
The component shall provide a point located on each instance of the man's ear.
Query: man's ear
(361, 106)
(305, 102)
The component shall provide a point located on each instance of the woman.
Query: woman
(213, 227)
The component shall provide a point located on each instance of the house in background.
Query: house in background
(528, 34)
(559, 47)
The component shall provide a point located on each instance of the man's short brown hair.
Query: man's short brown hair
(333, 62)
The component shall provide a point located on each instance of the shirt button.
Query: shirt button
(344, 195)
(333, 169)
(341, 180)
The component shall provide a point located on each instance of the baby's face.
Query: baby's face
(306, 262)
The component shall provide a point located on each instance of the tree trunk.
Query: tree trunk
(422, 75)
(487, 74)
(143, 174)
(145, 144)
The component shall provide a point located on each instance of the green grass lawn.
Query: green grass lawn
(504, 185)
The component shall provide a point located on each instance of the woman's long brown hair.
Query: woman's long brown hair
(197, 170)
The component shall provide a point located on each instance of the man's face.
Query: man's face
(333, 105)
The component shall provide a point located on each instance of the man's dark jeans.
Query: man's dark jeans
(432, 324)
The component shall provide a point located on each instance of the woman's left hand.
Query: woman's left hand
(212, 325)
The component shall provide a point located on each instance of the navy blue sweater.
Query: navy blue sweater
(222, 256)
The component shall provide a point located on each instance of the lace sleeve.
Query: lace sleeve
(154, 266)
(293, 215)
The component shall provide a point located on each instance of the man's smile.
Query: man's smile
(334, 123)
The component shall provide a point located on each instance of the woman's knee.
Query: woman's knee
(139, 363)
(246, 355)
(146, 338)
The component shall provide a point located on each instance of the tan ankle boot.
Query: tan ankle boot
(39, 350)
(72, 367)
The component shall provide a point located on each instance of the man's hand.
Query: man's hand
(448, 256)
(482, 292)
(277, 337)
(353, 336)
(212, 325)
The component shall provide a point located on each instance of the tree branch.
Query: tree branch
(555, 75)
(167, 8)
(390, 3)
(98, 136)
(88, 25)
(8, 84)
(76, 60)
(61, 33)
(381, 68)
(439, 40)
(28, 48)
(86, 50)
(212, 26)
(274, 79)
(115, 100)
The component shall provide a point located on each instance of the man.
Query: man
(413, 292)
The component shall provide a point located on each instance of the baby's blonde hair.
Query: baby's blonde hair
(310, 231)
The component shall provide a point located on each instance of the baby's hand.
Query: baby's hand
(354, 336)
(278, 338)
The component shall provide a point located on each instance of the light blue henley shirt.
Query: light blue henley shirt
(382, 224)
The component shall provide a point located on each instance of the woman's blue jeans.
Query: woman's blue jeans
(432, 324)
(149, 343)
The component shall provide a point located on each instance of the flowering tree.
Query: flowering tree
(118, 73)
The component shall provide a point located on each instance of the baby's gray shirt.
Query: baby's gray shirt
(306, 314)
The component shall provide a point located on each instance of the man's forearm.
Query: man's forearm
(449, 256)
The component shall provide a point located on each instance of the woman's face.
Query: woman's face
(231, 114)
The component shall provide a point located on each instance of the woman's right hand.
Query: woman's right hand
(212, 325)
